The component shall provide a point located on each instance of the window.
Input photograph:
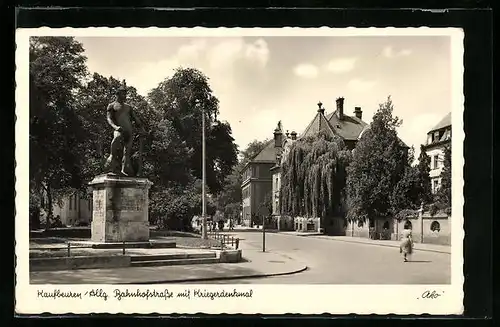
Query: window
(360, 223)
(75, 200)
(435, 227)
(435, 185)
(71, 202)
(408, 225)
(386, 225)
(435, 160)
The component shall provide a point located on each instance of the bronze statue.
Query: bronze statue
(120, 116)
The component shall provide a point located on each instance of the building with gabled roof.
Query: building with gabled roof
(438, 138)
(265, 169)
(257, 182)
(336, 123)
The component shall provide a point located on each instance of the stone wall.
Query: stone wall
(305, 224)
(426, 228)
(357, 229)
(285, 223)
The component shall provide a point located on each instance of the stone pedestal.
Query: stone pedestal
(120, 209)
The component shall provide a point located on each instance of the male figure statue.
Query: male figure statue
(120, 116)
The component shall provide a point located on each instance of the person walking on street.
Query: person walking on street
(406, 246)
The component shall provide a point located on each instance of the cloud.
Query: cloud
(389, 52)
(360, 85)
(153, 73)
(258, 52)
(341, 65)
(216, 58)
(192, 51)
(226, 53)
(306, 71)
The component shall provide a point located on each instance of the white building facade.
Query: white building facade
(438, 138)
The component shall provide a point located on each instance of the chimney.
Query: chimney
(358, 112)
(278, 138)
(320, 108)
(294, 135)
(340, 108)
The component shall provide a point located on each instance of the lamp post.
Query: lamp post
(203, 169)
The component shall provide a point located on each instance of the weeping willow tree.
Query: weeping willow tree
(313, 177)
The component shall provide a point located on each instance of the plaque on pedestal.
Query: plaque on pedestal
(120, 209)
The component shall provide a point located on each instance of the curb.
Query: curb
(366, 243)
(391, 246)
(219, 278)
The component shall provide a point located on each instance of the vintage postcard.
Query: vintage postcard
(232, 170)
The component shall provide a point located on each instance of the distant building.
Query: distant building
(74, 210)
(438, 138)
(257, 183)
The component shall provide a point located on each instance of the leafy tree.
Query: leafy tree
(229, 199)
(379, 163)
(406, 194)
(414, 188)
(424, 179)
(174, 207)
(443, 195)
(175, 102)
(313, 177)
(57, 69)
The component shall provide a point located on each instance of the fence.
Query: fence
(225, 240)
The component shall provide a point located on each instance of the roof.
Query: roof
(445, 122)
(267, 154)
(319, 123)
(348, 128)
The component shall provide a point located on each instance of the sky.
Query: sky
(262, 80)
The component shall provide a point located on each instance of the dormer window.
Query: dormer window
(436, 136)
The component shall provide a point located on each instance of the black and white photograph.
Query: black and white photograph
(218, 170)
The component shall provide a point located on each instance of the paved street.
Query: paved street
(338, 262)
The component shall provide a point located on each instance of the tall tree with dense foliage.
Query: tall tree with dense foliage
(443, 195)
(313, 177)
(424, 178)
(57, 70)
(176, 149)
(175, 100)
(379, 163)
(406, 196)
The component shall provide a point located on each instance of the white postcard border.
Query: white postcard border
(265, 299)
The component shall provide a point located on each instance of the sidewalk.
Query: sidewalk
(417, 246)
(360, 240)
(259, 264)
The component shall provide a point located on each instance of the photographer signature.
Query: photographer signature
(430, 295)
